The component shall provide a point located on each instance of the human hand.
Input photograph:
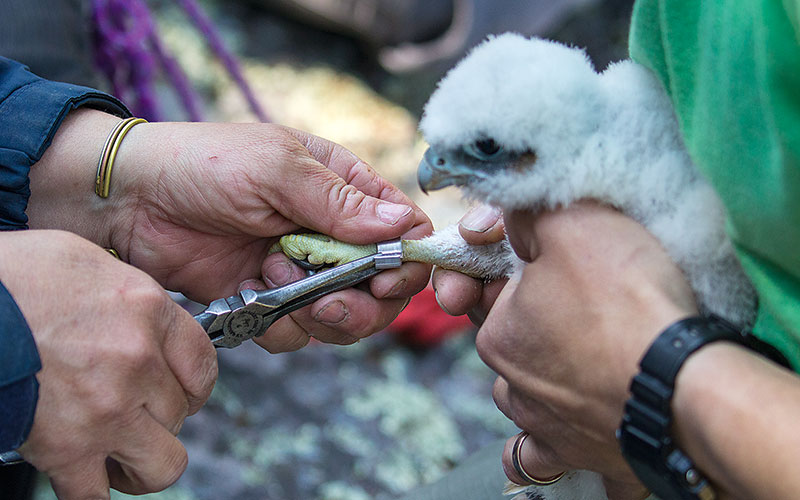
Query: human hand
(566, 339)
(459, 294)
(197, 206)
(122, 366)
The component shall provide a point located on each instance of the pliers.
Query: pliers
(231, 321)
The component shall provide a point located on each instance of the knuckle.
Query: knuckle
(484, 344)
(357, 324)
(148, 295)
(499, 398)
(271, 347)
(136, 353)
(300, 342)
(202, 383)
(140, 295)
(359, 327)
(110, 406)
(173, 467)
(347, 198)
(340, 338)
(335, 336)
(296, 340)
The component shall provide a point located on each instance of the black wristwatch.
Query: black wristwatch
(645, 433)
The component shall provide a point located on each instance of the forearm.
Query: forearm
(62, 182)
(736, 416)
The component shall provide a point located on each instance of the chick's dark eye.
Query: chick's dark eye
(487, 146)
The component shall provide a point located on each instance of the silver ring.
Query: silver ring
(517, 463)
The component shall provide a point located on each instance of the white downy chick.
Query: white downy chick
(528, 124)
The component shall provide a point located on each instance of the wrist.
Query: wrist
(696, 386)
(730, 416)
(62, 182)
(701, 380)
(646, 433)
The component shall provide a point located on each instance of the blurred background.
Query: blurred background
(377, 419)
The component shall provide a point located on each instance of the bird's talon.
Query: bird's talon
(306, 265)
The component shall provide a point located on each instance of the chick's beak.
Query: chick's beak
(437, 171)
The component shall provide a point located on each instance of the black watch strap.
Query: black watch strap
(645, 433)
(681, 339)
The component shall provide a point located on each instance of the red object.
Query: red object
(423, 323)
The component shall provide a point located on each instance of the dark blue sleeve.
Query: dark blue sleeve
(19, 362)
(31, 110)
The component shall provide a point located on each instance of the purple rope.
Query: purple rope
(186, 93)
(122, 30)
(203, 23)
(128, 50)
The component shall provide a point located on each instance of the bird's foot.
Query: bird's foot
(320, 249)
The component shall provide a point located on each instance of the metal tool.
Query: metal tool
(231, 321)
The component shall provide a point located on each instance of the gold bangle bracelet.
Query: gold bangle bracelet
(110, 148)
(114, 253)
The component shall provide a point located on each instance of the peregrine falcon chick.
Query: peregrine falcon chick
(528, 124)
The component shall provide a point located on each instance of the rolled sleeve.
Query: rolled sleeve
(31, 110)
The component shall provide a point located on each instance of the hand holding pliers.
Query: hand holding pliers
(232, 320)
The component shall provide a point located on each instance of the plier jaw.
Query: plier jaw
(231, 321)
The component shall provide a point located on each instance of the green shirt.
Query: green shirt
(732, 69)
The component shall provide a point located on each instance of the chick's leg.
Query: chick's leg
(444, 248)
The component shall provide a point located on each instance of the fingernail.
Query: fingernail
(176, 428)
(251, 284)
(390, 213)
(436, 295)
(333, 313)
(278, 274)
(480, 219)
(396, 290)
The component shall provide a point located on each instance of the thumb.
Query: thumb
(336, 193)
(482, 225)
(327, 204)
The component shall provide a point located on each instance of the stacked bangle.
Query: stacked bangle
(103, 179)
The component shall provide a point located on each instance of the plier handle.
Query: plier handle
(231, 321)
